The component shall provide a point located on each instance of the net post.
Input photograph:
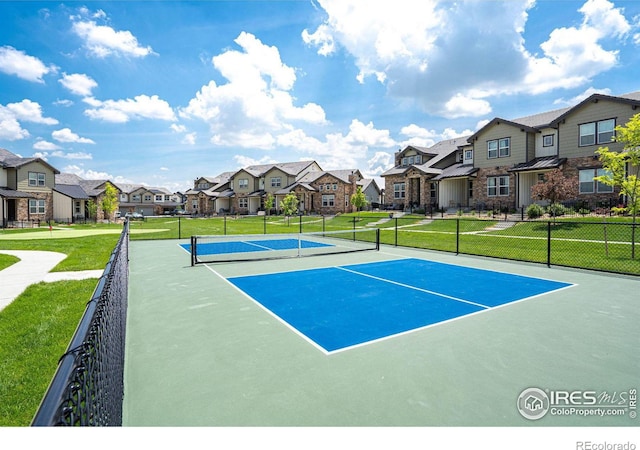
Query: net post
(193, 251)
(549, 244)
(377, 239)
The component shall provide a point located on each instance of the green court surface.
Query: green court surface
(199, 352)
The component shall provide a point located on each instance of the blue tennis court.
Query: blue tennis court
(345, 306)
(226, 247)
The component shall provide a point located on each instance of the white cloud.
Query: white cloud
(60, 154)
(102, 41)
(78, 83)
(246, 161)
(255, 105)
(66, 135)
(189, 139)
(178, 128)
(338, 151)
(45, 146)
(18, 63)
(10, 128)
(578, 98)
(121, 111)
(90, 174)
(379, 163)
(30, 111)
(440, 56)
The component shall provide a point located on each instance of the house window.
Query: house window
(147, 197)
(321, 187)
(498, 148)
(398, 190)
(335, 187)
(76, 207)
(36, 179)
(433, 192)
(243, 183)
(547, 140)
(36, 206)
(135, 198)
(410, 160)
(470, 189)
(418, 159)
(498, 186)
(405, 161)
(159, 198)
(328, 200)
(276, 182)
(600, 132)
(243, 202)
(468, 155)
(589, 186)
(504, 146)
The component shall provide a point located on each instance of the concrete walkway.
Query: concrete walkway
(34, 267)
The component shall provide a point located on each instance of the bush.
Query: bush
(556, 209)
(534, 211)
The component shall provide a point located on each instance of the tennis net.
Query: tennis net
(230, 248)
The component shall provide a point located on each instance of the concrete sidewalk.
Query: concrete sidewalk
(34, 267)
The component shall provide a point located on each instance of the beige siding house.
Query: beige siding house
(26, 189)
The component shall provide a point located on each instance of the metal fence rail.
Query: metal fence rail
(88, 387)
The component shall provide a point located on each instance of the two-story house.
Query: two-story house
(26, 189)
(431, 176)
(503, 160)
(252, 184)
(148, 201)
(210, 195)
(325, 192)
(513, 155)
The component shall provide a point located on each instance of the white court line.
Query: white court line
(416, 288)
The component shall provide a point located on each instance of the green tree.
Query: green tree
(109, 201)
(555, 188)
(622, 169)
(289, 205)
(92, 209)
(358, 199)
(268, 202)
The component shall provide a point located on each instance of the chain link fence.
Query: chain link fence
(603, 243)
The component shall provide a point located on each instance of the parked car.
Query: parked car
(134, 216)
(179, 212)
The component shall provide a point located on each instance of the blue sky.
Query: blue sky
(161, 93)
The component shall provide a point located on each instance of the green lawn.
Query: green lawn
(35, 331)
(37, 327)
(7, 260)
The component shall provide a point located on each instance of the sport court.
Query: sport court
(397, 337)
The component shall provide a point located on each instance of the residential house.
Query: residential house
(210, 195)
(72, 194)
(26, 189)
(251, 185)
(148, 201)
(413, 182)
(512, 156)
(324, 192)
(498, 165)
(372, 192)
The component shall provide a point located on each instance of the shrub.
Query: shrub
(534, 211)
(556, 209)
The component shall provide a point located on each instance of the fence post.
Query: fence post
(549, 243)
(300, 219)
(396, 232)
(457, 236)
(264, 227)
(179, 228)
(225, 224)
